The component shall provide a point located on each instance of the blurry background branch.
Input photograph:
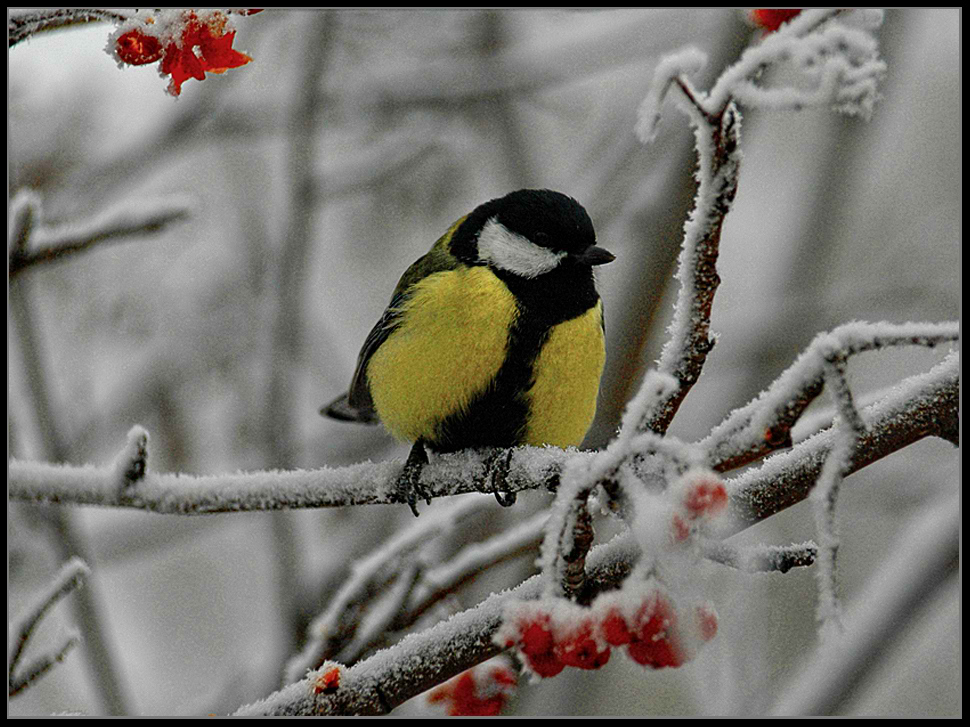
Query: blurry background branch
(33, 243)
(411, 130)
(70, 578)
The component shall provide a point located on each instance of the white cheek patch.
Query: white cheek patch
(508, 251)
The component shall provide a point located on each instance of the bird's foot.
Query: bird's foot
(408, 487)
(498, 465)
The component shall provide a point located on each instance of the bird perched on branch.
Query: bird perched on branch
(494, 338)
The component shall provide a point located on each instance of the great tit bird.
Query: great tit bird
(494, 338)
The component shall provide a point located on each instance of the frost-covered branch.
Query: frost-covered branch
(422, 660)
(839, 64)
(30, 242)
(921, 406)
(334, 634)
(762, 558)
(70, 578)
(22, 24)
(924, 405)
(717, 138)
(417, 586)
(765, 424)
(437, 582)
(529, 468)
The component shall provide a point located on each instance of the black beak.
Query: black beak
(593, 255)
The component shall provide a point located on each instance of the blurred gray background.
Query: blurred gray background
(317, 174)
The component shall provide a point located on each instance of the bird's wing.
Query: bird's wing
(357, 405)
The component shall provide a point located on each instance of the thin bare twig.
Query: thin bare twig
(70, 578)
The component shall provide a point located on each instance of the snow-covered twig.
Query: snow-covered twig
(849, 430)
(331, 632)
(530, 468)
(44, 243)
(22, 24)
(437, 582)
(840, 63)
(923, 405)
(563, 554)
(764, 424)
(71, 577)
(422, 660)
(762, 558)
(431, 585)
(132, 462)
(717, 139)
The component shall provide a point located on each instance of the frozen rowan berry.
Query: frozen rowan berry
(579, 649)
(614, 628)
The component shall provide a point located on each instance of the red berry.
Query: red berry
(579, 649)
(656, 653)
(771, 18)
(614, 628)
(545, 665)
(536, 638)
(706, 622)
(655, 642)
(137, 48)
(706, 495)
(504, 676)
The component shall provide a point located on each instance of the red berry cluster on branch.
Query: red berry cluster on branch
(479, 692)
(188, 43)
(648, 624)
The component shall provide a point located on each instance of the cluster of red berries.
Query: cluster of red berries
(701, 497)
(479, 692)
(189, 46)
(650, 627)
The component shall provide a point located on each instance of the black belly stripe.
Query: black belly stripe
(499, 415)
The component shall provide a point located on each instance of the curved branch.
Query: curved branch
(23, 24)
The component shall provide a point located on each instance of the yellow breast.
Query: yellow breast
(567, 378)
(450, 343)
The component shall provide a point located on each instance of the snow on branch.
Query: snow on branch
(765, 424)
(129, 483)
(71, 577)
(30, 242)
(334, 634)
(920, 406)
(839, 64)
(762, 558)
(22, 24)
(422, 660)
(717, 138)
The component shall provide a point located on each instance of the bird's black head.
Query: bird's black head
(529, 233)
